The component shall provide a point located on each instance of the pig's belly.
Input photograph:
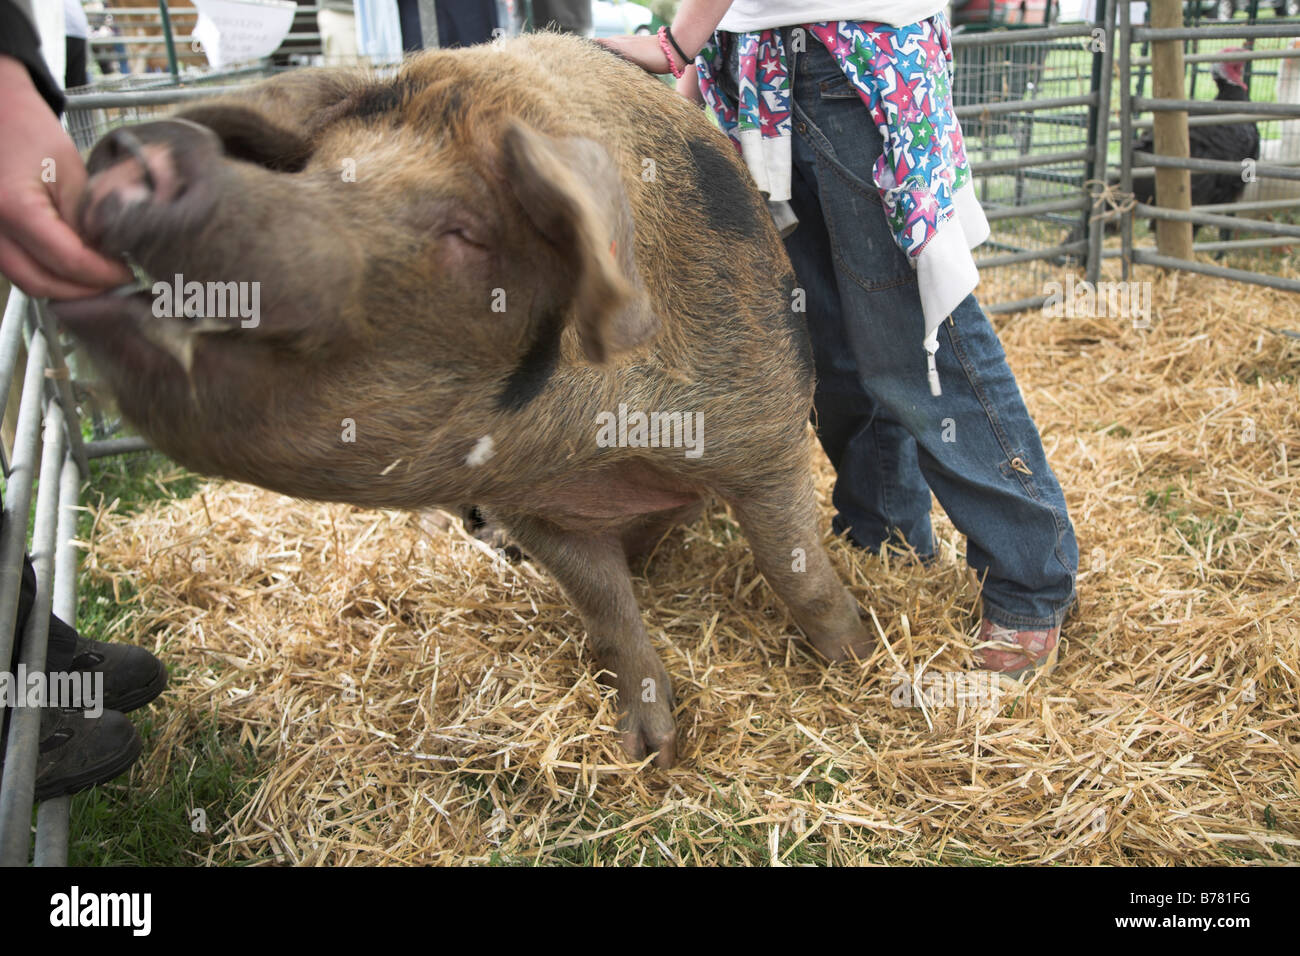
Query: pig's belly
(623, 491)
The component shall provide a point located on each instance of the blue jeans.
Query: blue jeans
(890, 440)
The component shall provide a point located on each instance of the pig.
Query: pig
(477, 280)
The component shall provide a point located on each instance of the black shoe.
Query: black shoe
(132, 676)
(77, 752)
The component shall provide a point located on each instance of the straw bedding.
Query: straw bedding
(411, 697)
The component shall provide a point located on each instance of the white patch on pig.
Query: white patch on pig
(483, 450)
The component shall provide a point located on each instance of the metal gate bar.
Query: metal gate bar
(1210, 112)
(52, 815)
(1152, 258)
(35, 456)
(1101, 134)
(51, 458)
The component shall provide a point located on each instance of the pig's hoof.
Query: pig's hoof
(648, 728)
(856, 644)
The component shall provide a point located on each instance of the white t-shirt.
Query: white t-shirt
(747, 15)
(75, 23)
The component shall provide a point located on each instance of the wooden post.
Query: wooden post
(1173, 186)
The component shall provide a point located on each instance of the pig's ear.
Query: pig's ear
(571, 192)
(249, 135)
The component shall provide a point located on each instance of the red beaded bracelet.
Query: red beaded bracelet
(668, 53)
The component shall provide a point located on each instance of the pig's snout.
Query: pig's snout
(148, 182)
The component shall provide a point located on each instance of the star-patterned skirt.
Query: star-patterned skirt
(902, 76)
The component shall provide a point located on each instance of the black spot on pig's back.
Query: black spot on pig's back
(729, 201)
(382, 99)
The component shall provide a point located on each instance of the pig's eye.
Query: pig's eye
(456, 234)
(460, 234)
(463, 250)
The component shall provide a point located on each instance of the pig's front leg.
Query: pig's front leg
(779, 520)
(592, 570)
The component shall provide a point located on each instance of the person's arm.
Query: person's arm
(19, 39)
(41, 178)
(692, 26)
(688, 85)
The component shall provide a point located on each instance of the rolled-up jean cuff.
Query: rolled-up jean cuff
(1017, 622)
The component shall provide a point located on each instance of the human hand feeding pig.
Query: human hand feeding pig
(41, 179)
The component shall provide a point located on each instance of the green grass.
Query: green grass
(727, 835)
(134, 481)
(133, 823)
(175, 824)
(1199, 530)
(130, 822)
(720, 838)
(137, 480)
